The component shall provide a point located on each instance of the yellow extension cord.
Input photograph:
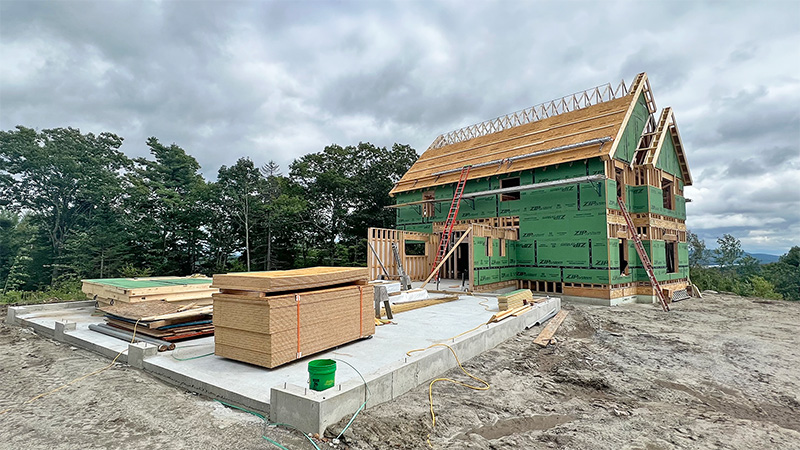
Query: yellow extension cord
(485, 386)
(45, 394)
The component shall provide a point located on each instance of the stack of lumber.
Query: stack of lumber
(518, 311)
(271, 318)
(168, 321)
(514, 299)
(109, 291)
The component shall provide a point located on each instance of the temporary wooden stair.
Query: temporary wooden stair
(452, 215)
(648, 266)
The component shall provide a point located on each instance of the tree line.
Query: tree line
(73, 206)
(729, 269)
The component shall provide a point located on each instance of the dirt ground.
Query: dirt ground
(717, 372)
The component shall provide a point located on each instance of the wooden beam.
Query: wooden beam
(511, 312)
(441, 263)
(546, 335)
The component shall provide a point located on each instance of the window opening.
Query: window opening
(624, 268)
(415, 248)
(619, 177)
(427, 208)
(666, 190)
(671, 255)
(507, 183)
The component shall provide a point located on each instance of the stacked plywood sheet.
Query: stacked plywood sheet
(271, 318)
(514, 299)
(109, 291)
(168, 321)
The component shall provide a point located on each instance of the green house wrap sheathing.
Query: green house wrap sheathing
(668, 158)
(643, 199)
(563, 229)
(594, 276)
(486, 276)
(409, 214)
(633, 130)
(532, 201)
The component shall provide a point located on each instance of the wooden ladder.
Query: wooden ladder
(447, 230)
(648, 266)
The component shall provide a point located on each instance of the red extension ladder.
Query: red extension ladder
(648, 266)
(447, 230)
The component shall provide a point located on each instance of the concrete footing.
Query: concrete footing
(138, 352)
(282, 392)
(313, 411)
(62, 327)
(644, 299)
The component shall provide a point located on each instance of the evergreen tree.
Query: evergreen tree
(165, 212)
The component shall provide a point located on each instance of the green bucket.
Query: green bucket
(321, 373)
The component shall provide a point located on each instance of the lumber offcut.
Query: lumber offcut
(275, 328)
(162, 320)
(549, 330)
(508, 313)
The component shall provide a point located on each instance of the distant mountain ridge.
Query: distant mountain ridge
(764, 258)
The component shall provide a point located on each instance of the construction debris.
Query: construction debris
(509, 313)
(379, 322)
(160, 320)
(550, 329)
(412, 305)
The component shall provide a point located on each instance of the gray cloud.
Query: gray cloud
(276, 80)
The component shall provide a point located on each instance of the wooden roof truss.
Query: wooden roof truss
(648, 93)
(652, 135)
(573, 102)
(584, 125)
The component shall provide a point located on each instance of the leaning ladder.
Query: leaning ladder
(447, 230)
(648, 266)
(405, 281)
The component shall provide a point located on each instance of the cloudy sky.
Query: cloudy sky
(276, 80)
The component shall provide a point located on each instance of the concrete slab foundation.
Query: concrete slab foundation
(282, 392)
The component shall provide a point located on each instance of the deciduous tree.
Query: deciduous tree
(59, 175)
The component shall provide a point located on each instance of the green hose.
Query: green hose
(363, 405)
(266, 422)
(352, 419)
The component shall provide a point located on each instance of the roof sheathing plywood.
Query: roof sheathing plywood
(597, 121)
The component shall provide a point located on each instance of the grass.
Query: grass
(65, 292)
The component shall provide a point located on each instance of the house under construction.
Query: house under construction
(539, 193)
